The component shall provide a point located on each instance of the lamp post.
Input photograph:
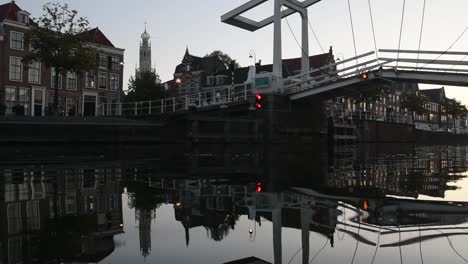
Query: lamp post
(118, 108)
(340, 57)
(253, 56)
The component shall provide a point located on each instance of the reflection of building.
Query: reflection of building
(428, 171)
(33, 88)
(144, 218)
(84, 204)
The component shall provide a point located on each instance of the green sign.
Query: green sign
(264, 81)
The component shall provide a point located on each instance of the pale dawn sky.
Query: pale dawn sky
(176, 24)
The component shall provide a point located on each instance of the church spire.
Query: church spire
(145, 52)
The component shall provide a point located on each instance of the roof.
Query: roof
(290, 67)
(97, 37)
(8, 11)
(208, 64)
(435, 95)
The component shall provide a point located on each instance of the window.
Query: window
(114, 63)
(219, 79)
(71, 81)
(24, 99)
(23, 18)
(102, 80)
(72, 102)
(16, 40)
(16, 69)
(102, 62)
(35, 72)
(209, 80)
(90, 79)
(114, 82)
(188, 67)
(10, 99)
(52, 83)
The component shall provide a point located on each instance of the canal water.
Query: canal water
(232, 203)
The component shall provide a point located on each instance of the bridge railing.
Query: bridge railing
(207, 98)
(444, 61)
(332, 72)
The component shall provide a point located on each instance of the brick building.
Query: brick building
(198, 74)
(33, 87)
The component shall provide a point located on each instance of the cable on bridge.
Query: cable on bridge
(352, 31)
(450, 47)
(421, 32)
(401, 31)
(373, 29)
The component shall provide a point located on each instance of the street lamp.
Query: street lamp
(340, 57)
(252, 55)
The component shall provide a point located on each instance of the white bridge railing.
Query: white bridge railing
(435, 62)
(221, 96)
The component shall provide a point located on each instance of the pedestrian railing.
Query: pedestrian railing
(221, 96)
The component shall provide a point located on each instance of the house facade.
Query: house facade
(31, 88)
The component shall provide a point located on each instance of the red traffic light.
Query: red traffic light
(258, 101)
(258, 187)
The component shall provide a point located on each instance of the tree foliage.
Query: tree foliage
(58, 40)
(454, 107)
(372, 95)
(224, 57)
(415, 103)
(144, 87)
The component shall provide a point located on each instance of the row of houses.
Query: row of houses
(203, 74)
(32, 88)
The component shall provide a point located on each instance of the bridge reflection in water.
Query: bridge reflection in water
(381, 204)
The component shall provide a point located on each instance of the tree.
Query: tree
(225, 58)
(454, 108)
(145, 87)
(58, 40)
(415, 103)
(372, 95)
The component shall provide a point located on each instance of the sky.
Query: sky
(177, 24)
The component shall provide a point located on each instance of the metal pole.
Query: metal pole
(136, 108)
(305, 43)
(149, 111)
(277, 48)
(173, 104)
(162, 106)
(245, 92)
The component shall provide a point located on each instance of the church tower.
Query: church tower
(145, 52)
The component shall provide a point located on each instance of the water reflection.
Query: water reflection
(221, 203)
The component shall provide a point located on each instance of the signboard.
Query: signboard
(263, 82)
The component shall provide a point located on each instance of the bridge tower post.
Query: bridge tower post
(305, 43)
(277, 48)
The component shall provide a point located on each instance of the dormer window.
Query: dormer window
(188, 67)
(23, 17)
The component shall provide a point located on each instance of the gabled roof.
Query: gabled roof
(290, 67)
(435, 95)
(97, 37)
(208, 64)
(9, 11)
